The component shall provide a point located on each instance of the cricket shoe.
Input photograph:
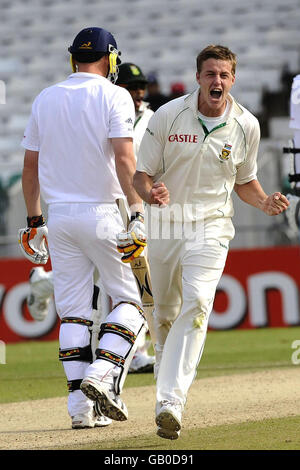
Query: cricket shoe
(41, 291)
(168, 419)
(167, 433)
(108, 401)
(141, 363)
(93, 419)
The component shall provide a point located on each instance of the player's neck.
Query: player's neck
(211, 112)
(99, 68)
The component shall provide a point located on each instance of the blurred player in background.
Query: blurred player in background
(154, 95)
(131, 77)
(79, 152)
(293, 212)
(198, 147)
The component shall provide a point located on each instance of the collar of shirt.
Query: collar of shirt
(142, 109)
(191, 101)
(87, 75)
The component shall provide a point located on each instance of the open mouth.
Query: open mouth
(216, 93)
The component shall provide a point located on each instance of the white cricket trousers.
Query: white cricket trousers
(184, 280)
(81, 237)
(297, 155)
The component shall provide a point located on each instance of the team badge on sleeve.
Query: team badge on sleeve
(225, 152)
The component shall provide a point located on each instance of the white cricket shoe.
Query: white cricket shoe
(168, 419)
(41, 291)
(108, 401)
(90, 420)
(141, 363)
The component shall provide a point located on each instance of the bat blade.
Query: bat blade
(141, 271)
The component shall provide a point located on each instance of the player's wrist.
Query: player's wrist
(35, 221)
(137, 216)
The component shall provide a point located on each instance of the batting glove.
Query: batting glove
(132, 242)
(33, 240)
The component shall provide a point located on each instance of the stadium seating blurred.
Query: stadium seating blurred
(161, 36)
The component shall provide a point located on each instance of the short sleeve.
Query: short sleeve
(122, 115)
(248, 170)
(31, 139)
(151, 151)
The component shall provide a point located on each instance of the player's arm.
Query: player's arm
(125, 168)
(131, 242)
(32, 239)
(30, 183)
(252, 193)
(151, 193)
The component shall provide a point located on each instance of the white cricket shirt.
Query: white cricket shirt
(140, 125)
(295, 104)
(71, 125)
(200, 167)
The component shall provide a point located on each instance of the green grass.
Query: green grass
(238, 351)
(270, 434)
(32, 370)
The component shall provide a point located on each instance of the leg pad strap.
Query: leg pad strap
(74, 385)
(110, 357)
(76, 354)
(78, 321)
(118, 329)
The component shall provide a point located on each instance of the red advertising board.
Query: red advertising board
(259, 288)
(16, 324)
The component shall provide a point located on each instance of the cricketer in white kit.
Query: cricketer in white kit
(293, 212)
(79, 153)
(295, 120)
(199, 147)
(131, 77)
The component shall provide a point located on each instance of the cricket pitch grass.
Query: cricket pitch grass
(246, 397)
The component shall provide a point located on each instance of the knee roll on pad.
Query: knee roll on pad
(129, 302)
(77, 353)
(114, 326)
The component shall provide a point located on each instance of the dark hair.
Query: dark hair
(216, 52)
(85, 57)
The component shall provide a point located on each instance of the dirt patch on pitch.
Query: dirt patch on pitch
(45, 424)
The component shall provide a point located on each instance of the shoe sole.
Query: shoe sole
(107, 406)
(81, 426)
(167, 433)
(102, 424)
(167, 423)
(98, 424)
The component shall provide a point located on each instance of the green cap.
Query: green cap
(130, 73)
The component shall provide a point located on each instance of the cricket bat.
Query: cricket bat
(141, 272)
